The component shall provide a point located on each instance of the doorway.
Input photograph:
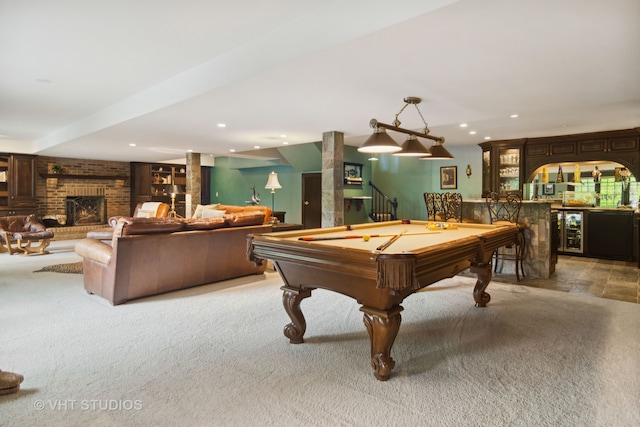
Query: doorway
(312, 200)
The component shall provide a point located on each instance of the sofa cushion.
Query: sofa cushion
(233, 209)
(204, 223)
(242, 219)
(133, 226)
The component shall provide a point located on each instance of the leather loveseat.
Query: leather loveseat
(149, 256)
(23, 230)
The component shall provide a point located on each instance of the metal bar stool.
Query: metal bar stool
(505, 209)
(435, 206)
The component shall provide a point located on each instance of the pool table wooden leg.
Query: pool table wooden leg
(291, 299)
(383, 328)
(483, 273)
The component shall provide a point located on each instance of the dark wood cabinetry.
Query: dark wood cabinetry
(508, 164)
(17, 184)
(149, 183)
(502, 166)
(621, 146)
(611, 234)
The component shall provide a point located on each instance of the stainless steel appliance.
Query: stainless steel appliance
(571, 231)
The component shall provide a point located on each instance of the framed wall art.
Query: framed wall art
(449, 177)
(548, 189)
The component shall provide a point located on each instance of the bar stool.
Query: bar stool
(435, 206)
(452, 207)
(505, 209)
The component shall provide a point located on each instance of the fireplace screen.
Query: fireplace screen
(86, 210)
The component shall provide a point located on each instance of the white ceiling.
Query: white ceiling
(86, 78)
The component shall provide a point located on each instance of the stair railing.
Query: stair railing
(382, 207)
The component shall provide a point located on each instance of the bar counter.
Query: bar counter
(541, 253)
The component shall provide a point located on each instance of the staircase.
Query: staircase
(382, 207)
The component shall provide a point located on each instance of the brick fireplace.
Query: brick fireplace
(86, 210)
(81, 179)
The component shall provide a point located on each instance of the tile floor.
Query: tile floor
(618, 280)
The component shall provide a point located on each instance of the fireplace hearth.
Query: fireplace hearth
(86, 210)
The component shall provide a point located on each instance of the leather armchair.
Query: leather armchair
(22, 230)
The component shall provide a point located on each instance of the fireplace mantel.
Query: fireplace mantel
(72, 176)
(52, 178)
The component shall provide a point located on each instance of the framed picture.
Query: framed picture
(449, 177)
(548, 189)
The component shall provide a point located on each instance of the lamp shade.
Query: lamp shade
(412, 148)
(438, 151)
(173, 189)
(272, 182)
(380, 142)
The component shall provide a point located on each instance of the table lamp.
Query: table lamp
(173, 190)
(272, 184)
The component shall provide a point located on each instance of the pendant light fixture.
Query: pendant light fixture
(381, 142)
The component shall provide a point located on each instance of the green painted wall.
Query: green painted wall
(404, 178)
(407, 178)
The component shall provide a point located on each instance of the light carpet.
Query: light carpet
(215, 355)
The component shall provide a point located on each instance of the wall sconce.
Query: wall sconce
(468, 171)
(380, 142)
(272, 184)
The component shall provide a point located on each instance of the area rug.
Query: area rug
(72, 267)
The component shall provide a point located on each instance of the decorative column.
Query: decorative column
(194, 182)
(332, 179)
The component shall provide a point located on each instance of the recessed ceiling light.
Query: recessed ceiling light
(256, 146)
(132, 145)
(285, 142)
(487, 137)
(190, 151)
(514, 116)
(222, 125)
(463, 125)
(284, 135)
(472, 132)
(232, 150)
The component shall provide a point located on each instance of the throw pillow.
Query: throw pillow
(212, 213)
(200, 208)
(144, 214)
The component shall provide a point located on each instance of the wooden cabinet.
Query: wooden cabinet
(17, 184)
(150, 181)
(621, 146)
(608, 145)
(502, 166)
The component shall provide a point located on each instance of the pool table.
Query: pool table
(354, 261)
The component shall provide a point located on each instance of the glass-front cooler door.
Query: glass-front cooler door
(573, 230)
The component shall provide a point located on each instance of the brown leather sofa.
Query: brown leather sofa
(106, 233)
(163, 210)
(149, 256)
(23, 230)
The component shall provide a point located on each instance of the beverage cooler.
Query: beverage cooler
(571, 232)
